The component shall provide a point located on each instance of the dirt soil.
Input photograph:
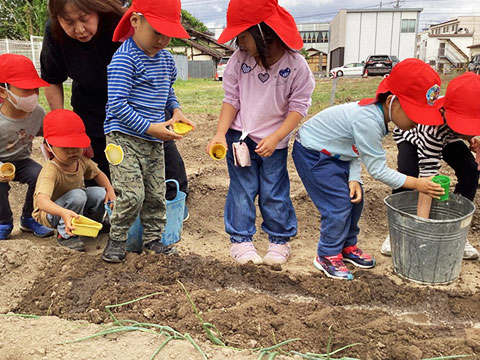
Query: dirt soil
(252, 306)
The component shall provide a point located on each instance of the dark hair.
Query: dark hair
(265, 42)
(107, 10)
(382, 98)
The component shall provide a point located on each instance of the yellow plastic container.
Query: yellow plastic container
(181, 128)
(218, 151)
(114, 154)
(8, 171)
(86, 227)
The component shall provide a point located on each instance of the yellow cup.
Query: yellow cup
(86, 227)
(8, 171)
(218, 151)
(181, 128)
(114, 154)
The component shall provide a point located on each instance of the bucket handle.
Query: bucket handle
(177, 185)
(109, 211)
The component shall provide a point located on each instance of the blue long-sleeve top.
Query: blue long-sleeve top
(140, 88)
(353, 133)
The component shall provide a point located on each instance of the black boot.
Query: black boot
(114, 251)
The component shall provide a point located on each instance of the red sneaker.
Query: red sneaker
(357, 257)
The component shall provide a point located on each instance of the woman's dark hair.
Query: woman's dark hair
(382, 98)
(108, 11)
(265, 42)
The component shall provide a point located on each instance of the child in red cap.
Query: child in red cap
(330, 148)
(140, 79)
(60, 194)
(268, 88)
(420, 150)
(20, 121)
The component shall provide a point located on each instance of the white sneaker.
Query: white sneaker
(386, 248)
(470, 253)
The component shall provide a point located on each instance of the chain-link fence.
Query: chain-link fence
(30, 49)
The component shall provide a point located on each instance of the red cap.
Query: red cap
(417, 87)
(243, 14)
(164, 16)
(64, 128)
(462, 104)
(19, 71)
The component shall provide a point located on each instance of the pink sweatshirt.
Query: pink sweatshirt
(262, 98)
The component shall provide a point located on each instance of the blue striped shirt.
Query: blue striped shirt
(139, 90)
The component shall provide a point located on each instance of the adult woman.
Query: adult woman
(78, 45)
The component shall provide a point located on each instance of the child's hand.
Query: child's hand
(427, 186)
(4, 179)
(179, 117)
(355, 191)
(160, 131)
(110, 198)
(67, 216)
(217, 139)
(475, 144)
(266, 146)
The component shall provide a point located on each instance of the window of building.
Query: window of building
(408, 25)
(310, 37)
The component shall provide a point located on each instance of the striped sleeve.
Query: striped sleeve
(172, 101)
(120, 73)
(431, 141)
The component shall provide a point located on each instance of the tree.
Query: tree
(21, 18)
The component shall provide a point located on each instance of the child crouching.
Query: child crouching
(60, 194)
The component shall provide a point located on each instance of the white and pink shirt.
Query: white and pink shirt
(263, 98)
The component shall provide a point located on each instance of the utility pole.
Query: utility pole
(380, 4)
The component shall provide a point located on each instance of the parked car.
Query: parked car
(352, 69)
(474, 64)
(379, 64)
(221, 67)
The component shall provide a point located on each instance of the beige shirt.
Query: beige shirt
(53, 181)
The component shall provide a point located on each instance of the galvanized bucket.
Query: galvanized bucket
(428, 251)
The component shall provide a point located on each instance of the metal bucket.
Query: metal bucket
(428, 251)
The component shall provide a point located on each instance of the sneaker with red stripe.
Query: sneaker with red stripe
(333, 267)
(357, 257)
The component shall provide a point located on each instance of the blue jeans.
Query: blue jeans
(26, 172)
(88, 202)
(326, 181)
(267, 177)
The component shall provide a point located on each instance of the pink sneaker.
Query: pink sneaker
(245, 252)
(277, 254)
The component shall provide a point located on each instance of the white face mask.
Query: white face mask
(390, 108)
(24, 103)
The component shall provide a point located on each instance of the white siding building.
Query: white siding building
(356, 34)
(449, 45)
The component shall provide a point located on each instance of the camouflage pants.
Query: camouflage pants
(139, 182)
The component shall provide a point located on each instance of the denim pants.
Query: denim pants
(26, 172)
(267, 177)
(88, 202)
(326, 181)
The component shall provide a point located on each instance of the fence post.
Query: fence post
(6, 45)
(334, 90)
(32, 46)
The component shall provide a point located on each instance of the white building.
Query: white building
(315, 36)
(356, 34)
(450, 44)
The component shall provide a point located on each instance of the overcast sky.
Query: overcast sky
(212, 12)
